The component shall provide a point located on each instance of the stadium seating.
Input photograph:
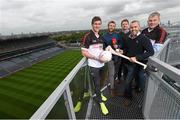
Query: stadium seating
(20, 52)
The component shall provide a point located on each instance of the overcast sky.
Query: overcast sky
(26, 16)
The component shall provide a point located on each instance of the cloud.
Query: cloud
(52, 15)
(128, 8)
(13, 5)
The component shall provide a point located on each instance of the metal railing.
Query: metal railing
(62, 89)
(162, 97)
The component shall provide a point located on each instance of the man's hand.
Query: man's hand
(133, 59)
(119, 51)
(100, 60)
(107, 48)
(85, 53)
(115, 46)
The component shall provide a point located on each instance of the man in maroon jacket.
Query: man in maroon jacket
(154, 31)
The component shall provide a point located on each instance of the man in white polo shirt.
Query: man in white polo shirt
(93, 43)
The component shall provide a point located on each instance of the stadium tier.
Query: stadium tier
(18, 52)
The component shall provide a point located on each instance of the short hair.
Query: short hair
(95, 18)
(154, 14)
(134, 21)
(124, 20)
(111, 22)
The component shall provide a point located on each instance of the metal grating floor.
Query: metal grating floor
(116, 107)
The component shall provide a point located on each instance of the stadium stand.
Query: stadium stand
(20, 51)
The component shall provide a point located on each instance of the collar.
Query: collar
(111, 32)
(92, 32)
(134, 36)
(138, 33)
(149, 29)
(125, 31)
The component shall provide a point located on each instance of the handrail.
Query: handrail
(46, 107)
(161, 99)
(177, 94)
(165, 68)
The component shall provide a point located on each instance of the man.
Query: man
(93, 43)
(135, 47)
(124, 33)
(154, 32)
(112, 38)
(157, 36)
(125, 27)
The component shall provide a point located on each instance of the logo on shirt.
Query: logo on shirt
(114, 41)
(96, 46)
(137, 41)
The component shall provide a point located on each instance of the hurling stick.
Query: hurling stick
(123, 56)
(82, 48)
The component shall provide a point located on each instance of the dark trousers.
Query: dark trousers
(95, 76)
(141, 77)
(131, 70)
(122, 70)
(117, 65)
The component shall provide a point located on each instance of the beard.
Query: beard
(111, 30)
(134, 32)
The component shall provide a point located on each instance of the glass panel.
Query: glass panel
(59, 110)
(80, 89)
(80, 92)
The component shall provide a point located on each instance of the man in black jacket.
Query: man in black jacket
(124, 33)
(138, 48)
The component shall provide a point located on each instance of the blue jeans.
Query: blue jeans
(141, 78)
(131, 70)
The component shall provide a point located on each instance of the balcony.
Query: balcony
(160, 100)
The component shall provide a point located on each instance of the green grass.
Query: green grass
(22, 93)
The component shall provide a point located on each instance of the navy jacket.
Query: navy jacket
(140, 47)
(107, 38)
(112, 39)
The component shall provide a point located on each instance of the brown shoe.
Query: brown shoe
(127, 102)
(112, 93)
